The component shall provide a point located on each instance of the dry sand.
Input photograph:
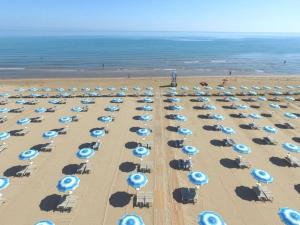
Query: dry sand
(104, 194)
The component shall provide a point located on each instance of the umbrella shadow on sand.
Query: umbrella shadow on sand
(120, 199)
(50, 202)
(209, 128)
(278, 161)
(70, 169)
(217, 143)
(12, 171)
(297, 188)
(296, 139)
(127, 167)
(131, 145)
(245, 193)
(15, 132)
(259, 141)
(172, 128)
(134, 129)
(229, 163)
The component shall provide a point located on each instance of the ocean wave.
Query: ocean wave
(218, 61)
(12, 68)
(191, 62)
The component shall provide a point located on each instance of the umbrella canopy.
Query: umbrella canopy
(4, 182)
(98, 133)
(270, 129)
(68, 183)
(291, 147)
(141, 152)
(77, 109)
(228, 130)
(211, 107)
(4, 110)
(242, 149)
(290, 98)
(254, 116)
(105, 119)
(145, 117)
(137, 180)
(117, 100)
(173, 100)
(112, 108)
(210, 218)
(202, 99)
(274, 106)
(198, 178)
(121, 94)
(263, 99)
(143, 132)
(184, 131)
(23, 121)
(21, 101)
(85, 153)
(50, 134)
(54, 101)
(40, 110)
(111, 88)
(179, 117)
(190, 150)
(261, 176)
(148, 100)
(233, 99)
(147, 108)
(176, 107)
(87, 101)
(290, 115)
(45, 222)
(136, 88)
(218, 117)
(243, 107)
(289, 216)
(4, 136)
(28, 154)
(65, 119)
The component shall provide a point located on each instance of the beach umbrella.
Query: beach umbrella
(277, 93)
(274, 106)
(253, 93)
(85, 89)
(228, 130)
(262, 99)
(131, 219)
(291, 147)
(255, 88)
(35, 95)
(278, 87)
(244, 88)
(46, 89)
(228, 93)
(145, 117)
(19, 89)
(4, 136)
(45, 222)
(210, 218)
(141, 152)
(179, 117)
(198, 178)
(21, 101)
(121, 94)
(262, 176)
(105, 119)
(136, 88)
(148, 93)
(147, 108)
(176, 107)
(77, 109)
(290, 115)
(190, 150)
(143, 132)
(220, 88)
(4, 182)
(255, 116)
(202, 99)
(23, 121)
(87, 101)
(211, 107)
(124, 88)
(93, 94)
(110, 88)
(270, 129)
(50, 135)
(137, 180)
(267, 88)
(184, 131)
(199, 93)
(218, 117)
(40, 110)
(68, 184)
(147, 100)
(4, 110)
(117, 100)
(73, 89)
(54, 101)
(65, 119)
(290, 98)
(59, 89)
(112, 108)
(233, 99)
(85, 153)
(289, 216)
(242, 149)
(28, 155)
(243, 107)
(173, 100)
(97, 133)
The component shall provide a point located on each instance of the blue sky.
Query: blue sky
(149, 15)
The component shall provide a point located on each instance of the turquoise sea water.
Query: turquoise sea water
(203, 54)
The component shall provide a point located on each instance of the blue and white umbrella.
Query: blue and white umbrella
(136, 88)
(68, 184)
(143, 132)
(47, 89)
(262, 99)
(218, 117)
(73, 89)
(184, 131)
(87, 101)
(270, 129)
(242, 149)
(45, 222)
(60, 89)
(117, 100)
(243, 107)
(211, 107)
(4, 110)
(233, 99)
(65, 119)
(210, 218)
(291, 147)
(141, 152)
(274, 106)
(85, 89)
(198, 178)
(137, 180)
(199, 93)
(111, 88)
(21, 101)
(4, 136)
(54, 101)
(202, 99)
(179, 117)
(148, 100)
(28, 154)
(262, 176)
(124, 88)
(290, 98)
(98, 133)
(85, 153)
(190, 150)
(121, 94)
(131, 219)
(40, 110)
(105, 119)
(255, 116)
(147, 108)
(77, 109)
(289, 216)
(173, 100)
(93, 94)
(50, 134)
(4, 182)
(290, 115)
(252, 93)
(112, 108)
(23, 121)
(145, 117)
(228, 130)
(176, 107)
(19, 89)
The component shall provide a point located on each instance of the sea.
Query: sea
(149, 54)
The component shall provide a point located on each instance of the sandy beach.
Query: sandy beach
(104, 195)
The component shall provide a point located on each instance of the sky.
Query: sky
(88, 16)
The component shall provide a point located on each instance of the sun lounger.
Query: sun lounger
(143, 199)
(218, 127)
(47, 148)
(3, 147)
(85, 108)
(242, 163)
(253, 126)
(75, 118)
(22, 132)
(51, 109)
(3, 119)
(63, 131)
(289, 125)
(145, 167)
(251, 99)
(146, 145)
(293, 161)
(185, 164)
(233, 106)
(95, 145)
(229, 142)
(32, 102)
(3, 102)
(17, 110)
(62, 102)
(209, 116)
(67, 203)
(38, 119)
(178, 143)
(262, 193)
(188, 195)
(26, 171)
(84, 168)
(270, 141)
(275, 99)
(242, 115)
